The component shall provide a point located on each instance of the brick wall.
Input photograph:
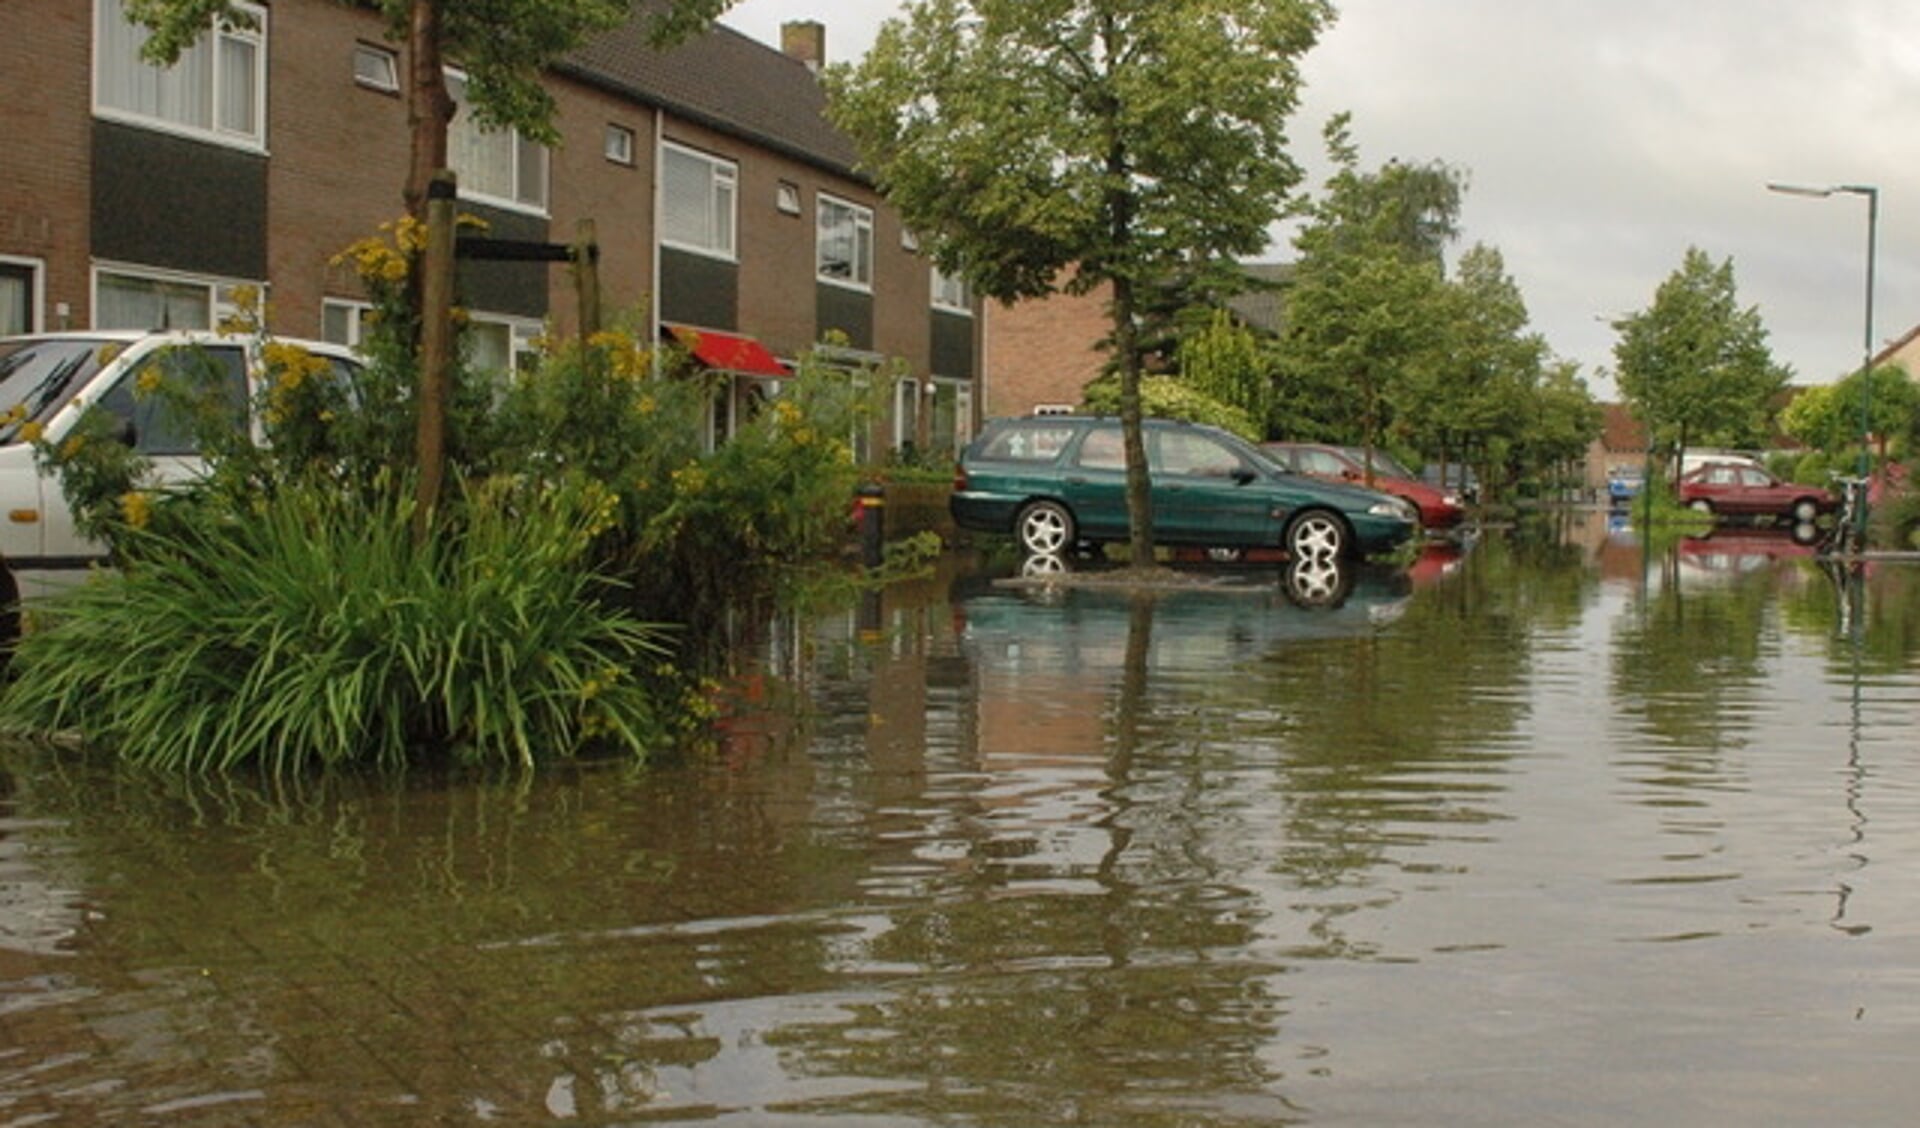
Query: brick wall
(1042, 351)
(45, 109)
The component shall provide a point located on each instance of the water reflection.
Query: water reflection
(1452, 843)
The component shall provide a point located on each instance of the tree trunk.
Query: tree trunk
(436, 353)
(429, 106)
(1139, 482)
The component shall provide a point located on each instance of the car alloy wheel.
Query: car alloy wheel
(1045, 528)
(1316, 535)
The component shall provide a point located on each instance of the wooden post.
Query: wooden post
(586, 278)
(436, 351)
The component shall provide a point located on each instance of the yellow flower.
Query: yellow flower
(148, 382)
(13, 415)
(135, 507)
(72, 447)
(32, 431)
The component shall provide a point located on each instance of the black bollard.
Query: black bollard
(870, 503)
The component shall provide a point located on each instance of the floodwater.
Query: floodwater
(1555, 831)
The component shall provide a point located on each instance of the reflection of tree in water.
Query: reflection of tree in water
(448, 946)
(1108, 989)
(1688, 660)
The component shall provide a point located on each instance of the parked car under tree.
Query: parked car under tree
(1058, 483)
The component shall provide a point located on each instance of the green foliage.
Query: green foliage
(1169, 398)
(1224, 361)
(1083, 143)
(1695, 366)
(316, 632)
(1369, 297)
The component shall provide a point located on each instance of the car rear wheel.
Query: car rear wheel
(1805, 510)
(1316, 535)
(1045, 528)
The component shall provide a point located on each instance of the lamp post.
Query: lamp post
(1866, 357)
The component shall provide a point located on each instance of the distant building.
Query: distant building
(728, 211)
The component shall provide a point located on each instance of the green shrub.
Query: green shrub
(1169, 398)
(317, 633)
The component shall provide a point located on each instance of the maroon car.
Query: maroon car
(1439, 509)
(1738, 489)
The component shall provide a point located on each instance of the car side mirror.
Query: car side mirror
(1242, 475)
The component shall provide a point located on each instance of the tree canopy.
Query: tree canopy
(1695, 365)
(1036, 145)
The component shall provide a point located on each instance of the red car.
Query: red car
(1737, 489)
(1439, 509)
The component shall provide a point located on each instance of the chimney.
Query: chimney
(805, 40)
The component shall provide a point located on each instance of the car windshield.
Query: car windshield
(37, 376)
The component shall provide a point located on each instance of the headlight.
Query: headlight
(1450, 499)
(1393, 507)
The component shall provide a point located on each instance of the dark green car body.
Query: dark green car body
(1059, 481)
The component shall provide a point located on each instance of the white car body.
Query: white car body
(38, 540)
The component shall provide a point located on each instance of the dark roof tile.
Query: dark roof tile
(723, 80)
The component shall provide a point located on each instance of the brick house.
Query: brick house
(1042, 353)
(728, 212)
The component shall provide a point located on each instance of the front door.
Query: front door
(1203, 492)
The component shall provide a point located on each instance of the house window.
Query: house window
(951, 293)
(618, 144)
(376, 68)
(497, 165)
(19, 296)
(217, 89)
(844, 243)
(136, 299)
(502, 346)
(344, 322)
(697, 200)
(906, 415)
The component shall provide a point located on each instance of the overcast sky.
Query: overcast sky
(1601, 138)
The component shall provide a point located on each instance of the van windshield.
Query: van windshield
(38, 376)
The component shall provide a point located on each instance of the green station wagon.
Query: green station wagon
(1056, 482)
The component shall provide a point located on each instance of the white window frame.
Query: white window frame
(722, 197)
(523, 335)
(517, 146)
(950, 292)
(860, 271)
(906, 412)
(36, 289)
(211, 48)
(618, 144)
(389, 83)
(356, 312)
(220, 303)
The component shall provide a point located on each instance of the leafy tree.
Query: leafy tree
(503, 45)
(1368, 293)
(1560, 420)
(1038, 145)
(1480, 386)
(1695, 366)
(1224, 360)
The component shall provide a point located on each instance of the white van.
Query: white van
(1694, 458)
(51, 379)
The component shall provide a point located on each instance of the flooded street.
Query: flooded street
(1554, 831)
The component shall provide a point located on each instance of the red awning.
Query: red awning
(728, 352)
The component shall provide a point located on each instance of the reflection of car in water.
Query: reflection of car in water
(1033, 624)
(1736, 550)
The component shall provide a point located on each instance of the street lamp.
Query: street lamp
(1866, 358)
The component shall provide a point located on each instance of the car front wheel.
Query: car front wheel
(1701, 505)
(1805, 510)
(1316, 535)
(1044, 527)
